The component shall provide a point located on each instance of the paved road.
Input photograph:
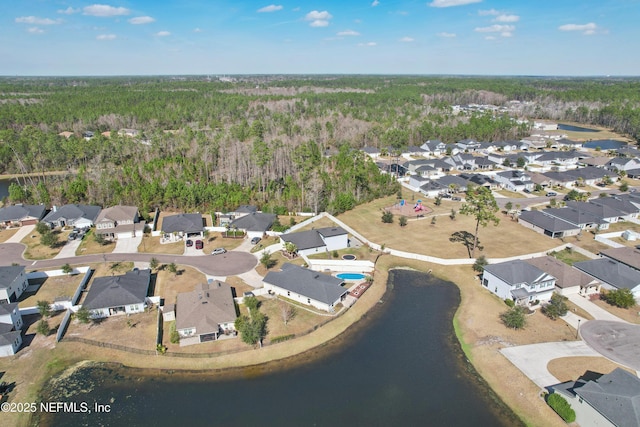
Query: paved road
(229, 264)
(617, 341)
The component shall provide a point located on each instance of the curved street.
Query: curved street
(228, 264)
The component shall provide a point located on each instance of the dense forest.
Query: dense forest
(282, 142)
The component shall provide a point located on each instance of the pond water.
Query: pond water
(401, 365)
(576, 128)
(605, 144)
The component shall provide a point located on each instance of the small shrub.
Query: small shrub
(282, 338)
(514, 318)
(387, 217)
(562, 407)
(510, 303)
(622, 298)
(335, 254)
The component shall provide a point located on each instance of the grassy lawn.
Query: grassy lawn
(568, 256)
(622, 226)
(422, 237)
(628, 243)
(570, 368)
(362, 253)
(265, 242)
(587, 241)
(50, 289)
(169, 285)
(151, 245)
(302, 322)
(89, 246)
(35, 250)
(279, 260)
(134, 330)
(6, 233)
(217, 240)
(238, 286)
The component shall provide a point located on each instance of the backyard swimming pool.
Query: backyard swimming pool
(350, 276)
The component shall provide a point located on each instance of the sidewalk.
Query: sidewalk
(597, 312)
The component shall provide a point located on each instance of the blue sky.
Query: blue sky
(215, 37)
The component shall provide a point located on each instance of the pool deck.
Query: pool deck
(358, 290)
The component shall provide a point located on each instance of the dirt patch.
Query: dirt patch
(133, 330)
(571, 368)
(50, 289)
(169, 285)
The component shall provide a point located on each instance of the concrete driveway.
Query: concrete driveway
(533, 359)
(69, 249)
(128, 245)
(21, 234)
(617, 341)
(597, 312)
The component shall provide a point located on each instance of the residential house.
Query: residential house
(183, 225)
(119, 222)
(625, 255)
(13, 282)
(605, 212)
(547, 224)
(598, 162)
(19, 215)
(412, 165)
(255, 224)
(372, 152)
(205, 313)
(468, 145)
(558, 158)
(453, 184)
(514, 180)
(610, 400)
(568, 280)
(435, 147)
(113, 295)
(584, 220)
(305, 286)
(628, 151)
(618, 164)
(621, 204)
(417, 181)
(75, 215)
(413, 151)
(589, 175)
(10, 333)
(243, 210)
(633, 173)
(539, 179)
(483, 163)
(480, 180)
(325, 239)
(427, 171)
(507, 146)
(612, 274)
(519, 281)
(567, 143)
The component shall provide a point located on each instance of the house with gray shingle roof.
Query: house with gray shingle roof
(612, 274)
(318, 240)
(600, 210)
(584, 220)
(10, 325)
(76, 215)
(112, 295)
(624, 205)
(625, 255)
(255, 224)
(306, 286)
(205, 313)
(13, 282)
(547, 224)
(119, 222)
(183, 225)
(611, 400)
(19, 215)
(519, 281)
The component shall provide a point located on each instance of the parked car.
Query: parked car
(199, 244)
(218, 251)
(456, 199)
(526, 190)
(189, 243)
(551, 194)
(255, 240)
(73, 236)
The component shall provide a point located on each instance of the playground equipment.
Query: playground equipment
(418, 206)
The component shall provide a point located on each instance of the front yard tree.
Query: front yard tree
(49, 239)
(402, 221)
(42, 228)
(99, 239)
(172, 268)
(66, 269)
(290, 248)
(507, 207)
(481, 261)
(624, 186)
(266, 260)
(556, 307)
(44, 308)
(287, 311)
(252, 329)
(514, 318)
(480, 203)
(387, 217)
(154, 263)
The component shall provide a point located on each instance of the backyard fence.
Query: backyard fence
(63, 325)
(81, 286)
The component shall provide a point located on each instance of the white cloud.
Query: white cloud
(163, 34)
(34, 20)
(490, 38)
(318, 19)
(35, 30)
(446, 35)
(348, 33)
(68, 11)
(197, 30)
(106, 37)
(139, 20)
(587, 29)
(507, 18)
(368, 44)
(375, 3)
(270, 8)
(407, 39)
(450, 3)
(496, 28)
(488, 12)
(104, 10)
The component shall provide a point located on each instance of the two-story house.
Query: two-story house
(118, 222)
(519, 281)
(10, 325)
(13, 282)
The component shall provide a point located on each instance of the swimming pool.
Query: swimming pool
(350, 276)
